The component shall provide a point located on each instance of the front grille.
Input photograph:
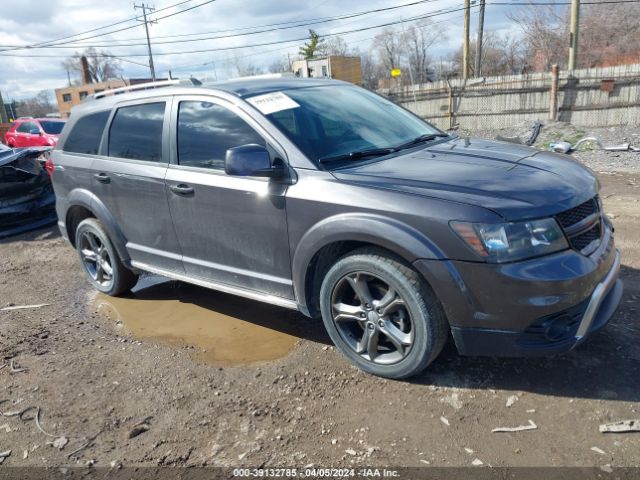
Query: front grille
(580, 242)
(577, 214)
(583, 238)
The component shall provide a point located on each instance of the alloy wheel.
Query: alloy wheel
(96, 259)
(372, 318)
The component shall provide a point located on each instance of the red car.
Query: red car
(34, 132)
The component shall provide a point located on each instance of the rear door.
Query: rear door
(129, 179)
(232, 230)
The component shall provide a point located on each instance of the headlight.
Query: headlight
(507, 242)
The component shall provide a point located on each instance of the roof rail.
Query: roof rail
(144, 86)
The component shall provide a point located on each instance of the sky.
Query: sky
(30, 22)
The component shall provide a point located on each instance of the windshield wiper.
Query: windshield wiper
(427, 137)
(372, 152)
(375, 152)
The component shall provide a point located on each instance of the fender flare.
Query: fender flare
(384, 232)
(84, 198)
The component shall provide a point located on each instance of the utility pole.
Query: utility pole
(479, 40)
(146, 28)
(573, 36)
(465, 44)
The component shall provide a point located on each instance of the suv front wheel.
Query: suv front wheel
(381, 315)
(100, 261)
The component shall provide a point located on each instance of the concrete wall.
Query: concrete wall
(591, 98)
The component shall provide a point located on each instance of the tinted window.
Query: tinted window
(207, 130)
(87, 133)
(53, 128)
(136, 132)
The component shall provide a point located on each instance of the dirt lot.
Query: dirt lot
(201, 403)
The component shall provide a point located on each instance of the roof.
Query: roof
(250, 87)
(242, 88)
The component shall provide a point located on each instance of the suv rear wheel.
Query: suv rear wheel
(100, 261)
(381, 315)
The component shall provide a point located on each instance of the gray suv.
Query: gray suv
(323, 197)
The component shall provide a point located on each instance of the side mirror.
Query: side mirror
(251, 161)
(34, 131)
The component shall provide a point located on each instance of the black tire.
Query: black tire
(426, 328)
(92, 243)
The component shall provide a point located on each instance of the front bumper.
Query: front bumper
(542, 306)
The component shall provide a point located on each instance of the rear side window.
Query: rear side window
(136, 132)
(207, 130)
(86, 134)
(51, 127)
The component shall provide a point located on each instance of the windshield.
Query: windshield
(51, 127)
(333, 121)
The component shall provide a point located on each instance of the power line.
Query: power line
(311, 22)
(97, 28)
(120, 29)
(415, 18)
(275, 42)
(294, 44)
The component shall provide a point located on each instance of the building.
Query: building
(70, 96)
(348, 69)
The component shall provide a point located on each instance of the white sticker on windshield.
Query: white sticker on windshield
(272, 102)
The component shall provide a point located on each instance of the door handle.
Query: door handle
(102, 177)
(181, 189)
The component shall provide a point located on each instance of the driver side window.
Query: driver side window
(207, 130)
(25, 127)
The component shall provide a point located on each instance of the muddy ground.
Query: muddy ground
(99, 369)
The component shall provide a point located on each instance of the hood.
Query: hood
(515, 181)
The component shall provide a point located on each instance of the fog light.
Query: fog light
(559, 327)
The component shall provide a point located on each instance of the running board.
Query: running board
(221, 287)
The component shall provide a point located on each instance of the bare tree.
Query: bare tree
(501, 55)
(37, 106)
(544, 33)
(102, 65)
(335, 46)
(278, 66)
(372, 69)
(609, 34)
(418, 39)
(245, 68)
(388, 44)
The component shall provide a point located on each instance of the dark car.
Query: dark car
(27, 200)
(34, 132)
(320, 196)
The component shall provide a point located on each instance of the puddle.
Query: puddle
(224, 329)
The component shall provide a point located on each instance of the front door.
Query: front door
(231, 230)
(129, 179)
(23, 134)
